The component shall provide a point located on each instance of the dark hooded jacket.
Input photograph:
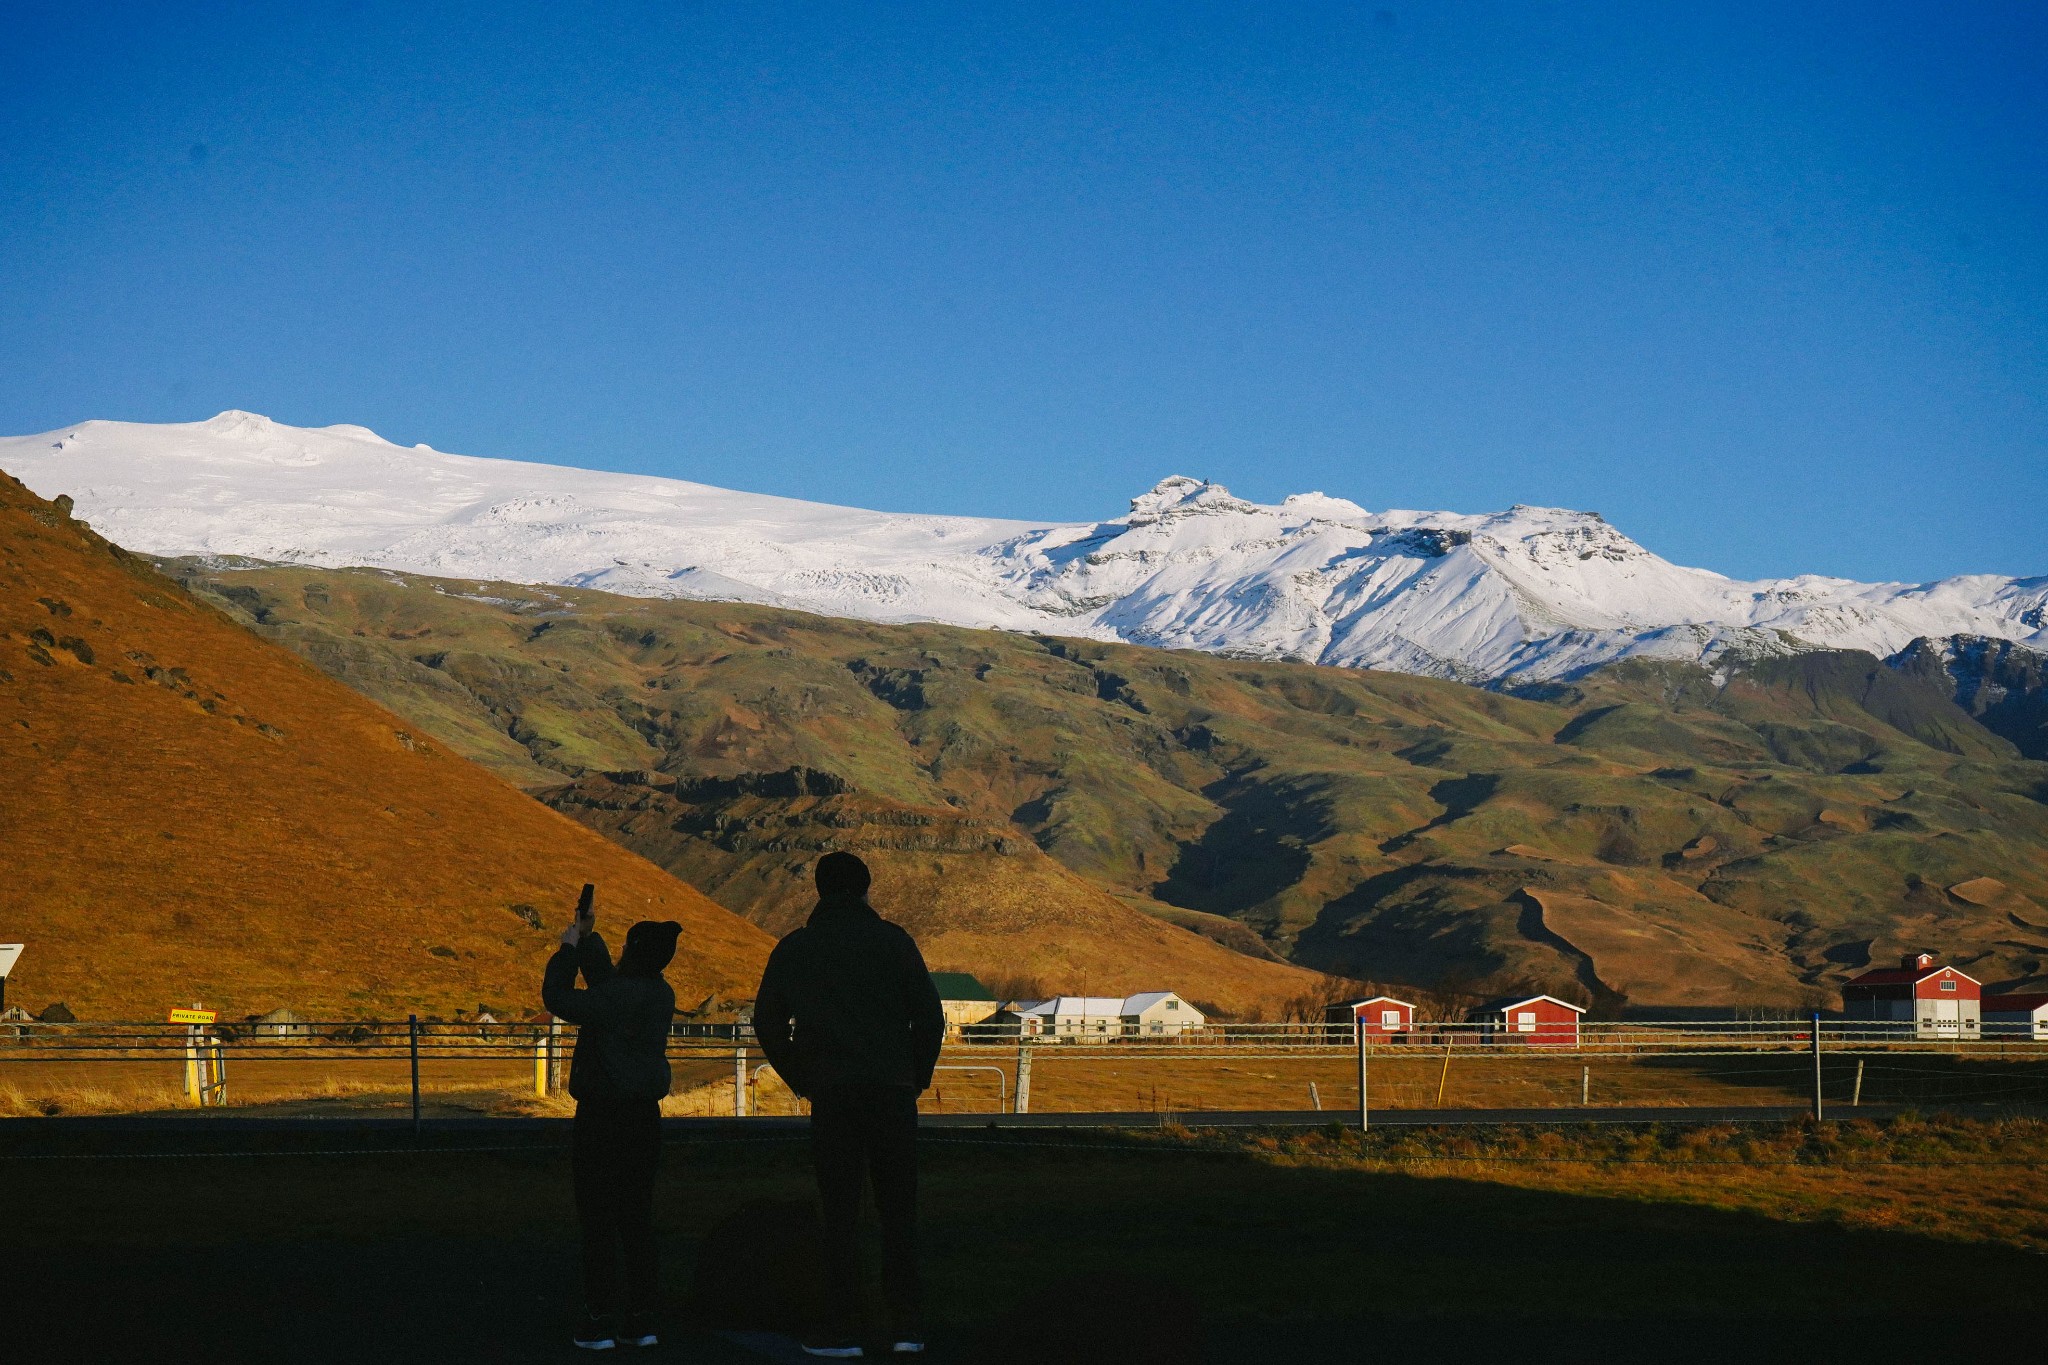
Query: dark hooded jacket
(846, 1000)
(622, 1013)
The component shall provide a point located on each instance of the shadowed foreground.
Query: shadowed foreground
(1038, 1249)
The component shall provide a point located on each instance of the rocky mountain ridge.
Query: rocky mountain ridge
(1650, 833)
(1507, 598)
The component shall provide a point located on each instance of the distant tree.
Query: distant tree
(1308, 1006)
(1017, 986)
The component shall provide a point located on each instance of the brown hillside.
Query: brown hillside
(979, 896)
(190, 813)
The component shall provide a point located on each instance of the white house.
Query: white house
(1101, 1018)
(1074, 1018)
(1162, 1013)
(2023, 1015)
(965, 1001)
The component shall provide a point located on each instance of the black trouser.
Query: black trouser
(871, 1131)
(616, 1147)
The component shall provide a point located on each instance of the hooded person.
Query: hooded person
(618, 1076)
(849, 1018)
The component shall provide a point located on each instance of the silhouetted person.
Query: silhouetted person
(618, 1075)
(850, 1019)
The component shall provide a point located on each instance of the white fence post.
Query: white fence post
(739, 1081)
(1023, 1090)
(1816, 1067)
(1364, 1076)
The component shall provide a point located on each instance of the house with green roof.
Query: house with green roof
(964, 999)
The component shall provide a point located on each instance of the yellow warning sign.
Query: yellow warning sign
(194, 1016)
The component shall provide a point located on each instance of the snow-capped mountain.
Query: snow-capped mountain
(1530, 593)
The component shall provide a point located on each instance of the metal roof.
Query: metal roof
(1511, 1001)
(960, 986)
(1905, 976)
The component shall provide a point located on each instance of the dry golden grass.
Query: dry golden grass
(192, 813)
(1947, 1177)
(1085, 1080)
(41, 1102)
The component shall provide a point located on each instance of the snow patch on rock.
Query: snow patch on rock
(1526, 594)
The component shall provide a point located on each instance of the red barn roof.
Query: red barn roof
(2026, 1002)
(1496, 1006)
(1913, 969)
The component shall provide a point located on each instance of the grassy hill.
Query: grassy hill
(191, 813)
(1651, 836)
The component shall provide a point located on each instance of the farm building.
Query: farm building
(1537, 1020)
(279, 1024)
(1936, 1001)
(964, 999)
(2016, 1016)
(1095, 1018)
(1104, 1018)
(1381, 1016)
(1150, 1013)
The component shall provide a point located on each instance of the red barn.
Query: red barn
(1381, 1016)
(1939, 1002)
(1538, 1020)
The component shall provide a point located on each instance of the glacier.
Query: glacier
(1529, 594)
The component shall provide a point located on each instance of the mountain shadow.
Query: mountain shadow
(1256, 850)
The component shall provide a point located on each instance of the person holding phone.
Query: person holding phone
(618, 1075)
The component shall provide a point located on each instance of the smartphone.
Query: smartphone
(585, 913)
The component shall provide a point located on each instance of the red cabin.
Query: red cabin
(1537, 1020)
(1381, 1016)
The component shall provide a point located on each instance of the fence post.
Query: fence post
(1816, 1067)
(195, 1091)
(1021, 1104)
(1856, 1096)
(541, 1064)
(1444, 1079)
(412, 1034)
(739, 1081)
(1364, 1076)
(555, 1057)
(1585, 1087)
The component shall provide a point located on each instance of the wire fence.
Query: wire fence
(720, 1070)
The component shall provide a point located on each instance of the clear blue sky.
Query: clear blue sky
(1764, 284)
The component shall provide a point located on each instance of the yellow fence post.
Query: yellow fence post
(194, 1089)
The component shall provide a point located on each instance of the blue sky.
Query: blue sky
(1764, 284)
